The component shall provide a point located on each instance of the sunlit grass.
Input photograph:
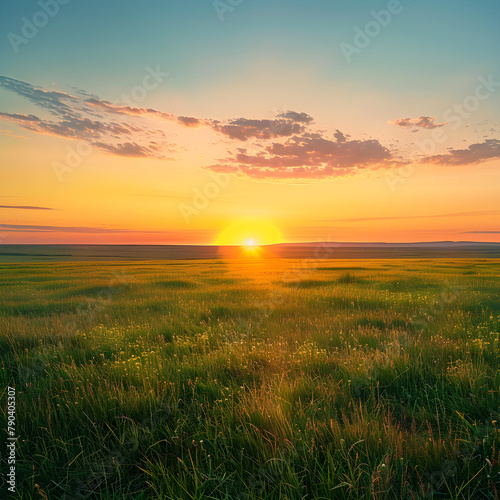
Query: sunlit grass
(254, 379)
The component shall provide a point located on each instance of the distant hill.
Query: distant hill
(311, 250)
(420, 244)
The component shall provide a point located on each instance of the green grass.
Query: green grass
(257, 379)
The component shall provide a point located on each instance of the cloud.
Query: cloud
(422, 122)
(130, 149)
(128, 110)
(189, 121)
(92, 132)
(109, 107)
(244, 128)
(8, 133)
(475, 153)
(56, 103)
(296, 117)
(14, 117)
(66, 229)
(241, 129)
(309, 156)
(26, 207)
(120, 138)
(340, 136)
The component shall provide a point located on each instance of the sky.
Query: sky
(249, 121)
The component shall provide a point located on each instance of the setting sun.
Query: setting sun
(250, 233)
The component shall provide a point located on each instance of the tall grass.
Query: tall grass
(203, 380)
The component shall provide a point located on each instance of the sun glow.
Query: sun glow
(250, 234)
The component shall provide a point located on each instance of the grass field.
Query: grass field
(253, 379)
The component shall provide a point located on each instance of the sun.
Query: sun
(250, 233)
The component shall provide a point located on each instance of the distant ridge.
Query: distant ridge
(309, 250)
(381, 244)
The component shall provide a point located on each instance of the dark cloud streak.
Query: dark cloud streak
(66, 229)
(456, 214)
(26, 207)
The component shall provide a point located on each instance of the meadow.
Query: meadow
(253, 379)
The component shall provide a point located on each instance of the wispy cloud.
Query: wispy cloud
(422, 122)
(55, 102)
(14, 117)
(130, 149)
(26, 207)
(8, 133)
(75, 120)
(66, 229)
(109, 107)
(481, 232)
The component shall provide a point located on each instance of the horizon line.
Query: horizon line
(264, 245)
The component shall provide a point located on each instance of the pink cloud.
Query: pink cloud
(422, 122)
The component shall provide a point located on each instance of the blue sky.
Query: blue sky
(97, 44)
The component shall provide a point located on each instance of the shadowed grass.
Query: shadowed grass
(346, 268)
(347, 279)
(174, 284)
